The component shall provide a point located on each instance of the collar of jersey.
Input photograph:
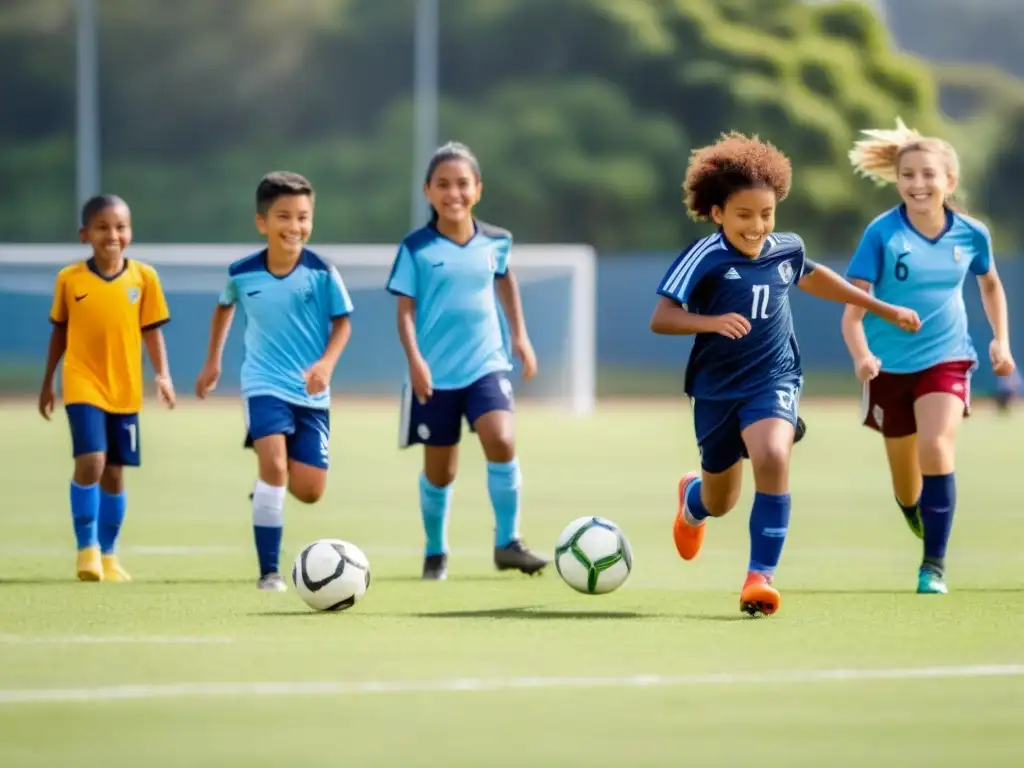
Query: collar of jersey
(265, 256)
(950, 220)
(91, 264)
(476, 231)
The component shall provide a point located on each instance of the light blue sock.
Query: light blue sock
(268, 525)
(85, 511)
(503, 483)
(435, 503)
(112, 509)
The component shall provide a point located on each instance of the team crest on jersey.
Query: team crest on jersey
(958, 253)
(133, 294)
(786, 271)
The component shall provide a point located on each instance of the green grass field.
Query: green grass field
(190, 665)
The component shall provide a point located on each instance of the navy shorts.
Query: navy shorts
(307, 431)
(438, 422)
(719, 424)
(116, 435)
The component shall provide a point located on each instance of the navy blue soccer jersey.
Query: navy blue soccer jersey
(711, 277)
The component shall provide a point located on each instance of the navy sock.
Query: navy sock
(938, 504)
(769, 523)
(85, 512)
(694, 506)
(909, 510)
(112, 511)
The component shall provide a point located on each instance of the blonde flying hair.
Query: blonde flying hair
(878, 156)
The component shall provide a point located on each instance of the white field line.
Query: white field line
(14, 550)
(111, 640)
(478, 685)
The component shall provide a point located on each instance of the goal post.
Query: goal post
(558, 282)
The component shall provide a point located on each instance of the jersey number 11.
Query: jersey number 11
(759, 309)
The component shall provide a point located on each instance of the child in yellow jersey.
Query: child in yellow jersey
(103, 310)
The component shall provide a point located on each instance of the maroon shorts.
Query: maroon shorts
(888, 402)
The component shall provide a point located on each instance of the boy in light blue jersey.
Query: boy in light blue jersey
(447, 276)
(297, 325)
(917, 389)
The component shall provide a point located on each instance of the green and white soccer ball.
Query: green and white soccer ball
(331, 575)
(593, 556)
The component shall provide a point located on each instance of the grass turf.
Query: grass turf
(193, 614)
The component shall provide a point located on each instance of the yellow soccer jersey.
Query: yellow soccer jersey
(105, 318)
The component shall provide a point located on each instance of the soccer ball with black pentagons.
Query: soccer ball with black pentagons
(331, 575)
(593, 556)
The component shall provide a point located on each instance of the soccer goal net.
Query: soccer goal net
(558, 286)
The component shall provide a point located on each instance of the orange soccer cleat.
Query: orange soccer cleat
(759, 597)
(688, 537)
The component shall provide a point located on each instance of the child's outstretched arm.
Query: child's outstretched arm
(826, 284)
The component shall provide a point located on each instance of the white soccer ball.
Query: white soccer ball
(593, 556)
(331, 575)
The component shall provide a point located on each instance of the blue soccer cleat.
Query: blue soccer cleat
(930, 582)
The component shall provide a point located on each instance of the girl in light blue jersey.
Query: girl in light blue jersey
(917, 388)
(447, 277)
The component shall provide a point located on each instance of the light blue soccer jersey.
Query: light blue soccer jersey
(457, 323)
(927, 275)
(288, 322)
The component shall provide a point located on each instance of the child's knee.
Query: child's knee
(936, 454)
(273, 464)
(720, 501)
(112, 479)
(89, 468)
(501, 449)
(771, 465)
(305, 493)
(307, 484)
(440, 477)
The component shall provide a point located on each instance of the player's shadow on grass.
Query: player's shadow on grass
(467, 577)
(547, 614)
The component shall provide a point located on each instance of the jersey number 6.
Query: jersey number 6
(901, 270)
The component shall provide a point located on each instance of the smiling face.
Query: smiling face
(109, 232)
(287, 224)
(924, 181)
(453, 189)
(747, 219)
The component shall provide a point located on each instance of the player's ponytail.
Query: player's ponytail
(877, 157)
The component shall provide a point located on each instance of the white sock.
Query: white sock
(268, 505)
